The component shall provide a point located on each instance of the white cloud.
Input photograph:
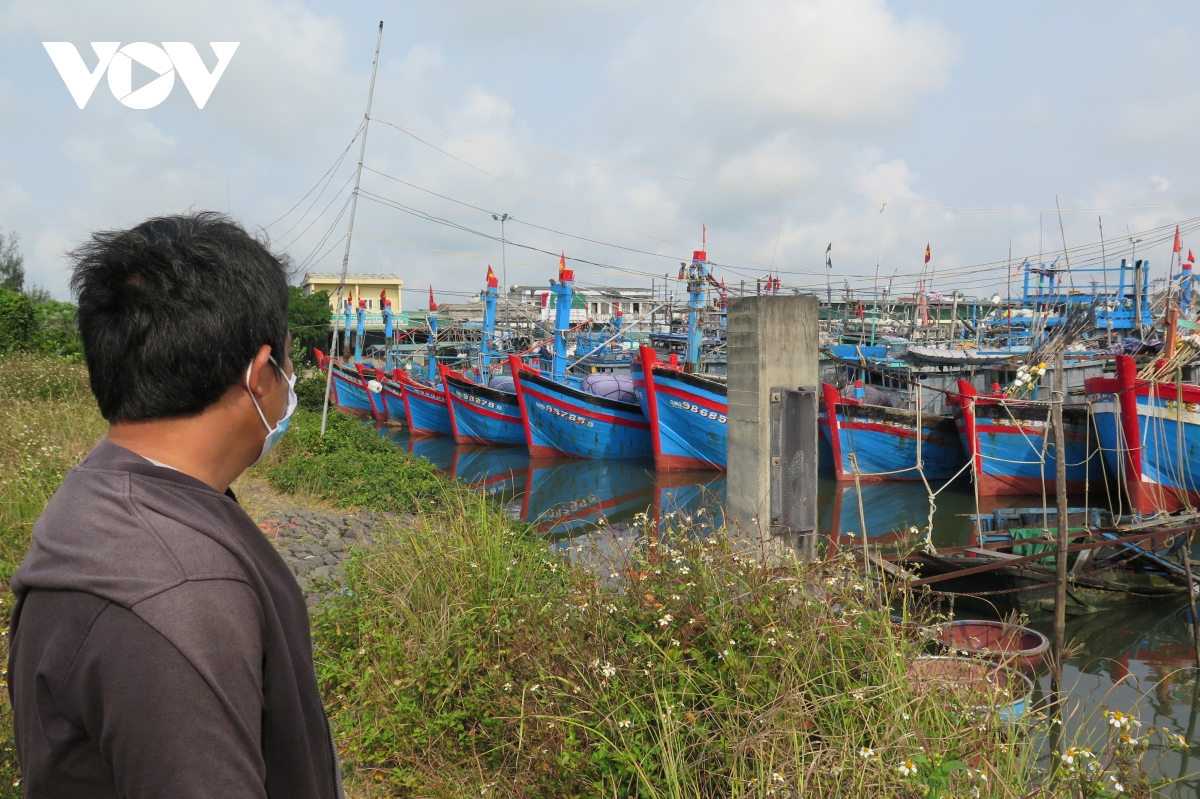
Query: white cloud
(737, 64)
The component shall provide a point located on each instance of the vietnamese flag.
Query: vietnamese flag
(562, 265)
(1178, 244)
(432, 304)
(927, 252)
(1191, 258)
(491, 278)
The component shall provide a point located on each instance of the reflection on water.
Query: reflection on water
(1139, 655)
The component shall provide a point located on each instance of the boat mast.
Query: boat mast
(563, 291)
(490, 295)
(386, 306)
(431, 370)
(360, 328)
(697, 280)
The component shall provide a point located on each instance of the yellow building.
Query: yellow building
(358, 285)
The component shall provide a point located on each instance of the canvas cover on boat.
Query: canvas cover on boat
(610, 386)
(503, 383)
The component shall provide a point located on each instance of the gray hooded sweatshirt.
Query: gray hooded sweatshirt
(160, 647)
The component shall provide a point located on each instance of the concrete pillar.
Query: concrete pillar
(772, 342)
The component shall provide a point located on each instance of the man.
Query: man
(160, 646)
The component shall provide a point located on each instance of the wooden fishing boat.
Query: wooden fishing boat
(688, 414)
(482, 414)
(348, 390)
(1149, 432)
(392, 395)
(1010, 442)
(883, 440)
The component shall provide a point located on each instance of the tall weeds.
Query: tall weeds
(463, 658)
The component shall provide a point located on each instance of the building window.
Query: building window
(637, 307)
(370, 305)
(604, 311)
(595, 307)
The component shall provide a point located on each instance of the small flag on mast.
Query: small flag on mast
(564, 274)
(928, 253)
(704, 236)
(492, 281)
(432, 304)
(1191, 259)
(1178, 243)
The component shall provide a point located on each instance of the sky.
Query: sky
(613, 131)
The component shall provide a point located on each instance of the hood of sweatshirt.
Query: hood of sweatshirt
(124, 529)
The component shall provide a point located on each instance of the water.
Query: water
(1140, 656)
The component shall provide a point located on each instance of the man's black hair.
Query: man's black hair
(171, 313)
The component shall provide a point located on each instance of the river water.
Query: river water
(1136, 659)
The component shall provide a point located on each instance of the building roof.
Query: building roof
(352, 277)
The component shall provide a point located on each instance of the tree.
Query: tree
(308, 320)
(56, 331)
(18, 326)
(12, 263)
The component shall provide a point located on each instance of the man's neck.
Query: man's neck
(207, 446)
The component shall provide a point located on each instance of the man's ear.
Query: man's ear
(260, 367)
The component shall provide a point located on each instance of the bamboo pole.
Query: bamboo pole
(362, 151)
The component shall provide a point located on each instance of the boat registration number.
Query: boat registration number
(570, 417)
(495, 406)
(720, 418)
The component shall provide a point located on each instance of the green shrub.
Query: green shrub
(17, 321)
(310, 392)
(352, 465)
(308, 321)
(56, 332)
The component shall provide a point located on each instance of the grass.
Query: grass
(48, 422)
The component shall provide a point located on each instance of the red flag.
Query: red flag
(1177, 242)
(1191, 258)
(927, 253)
(564, 274)
(384, 302)
(432, 304)
(704, 236)
(491, 278)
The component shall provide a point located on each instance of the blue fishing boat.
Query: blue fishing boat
(688, 415)
(482, 414)
(392, 395)
(425, 406)
(600, 418)
(688, 412)
(1149, 432)
(563, 421)
(347, 391)
(485, 412)
(1011, 443)
(883, 440)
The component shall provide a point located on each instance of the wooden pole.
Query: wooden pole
(1187, 546)
(1060, 491)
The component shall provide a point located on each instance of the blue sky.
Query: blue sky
(1004, 106)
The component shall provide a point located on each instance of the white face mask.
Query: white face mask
(274, 433)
